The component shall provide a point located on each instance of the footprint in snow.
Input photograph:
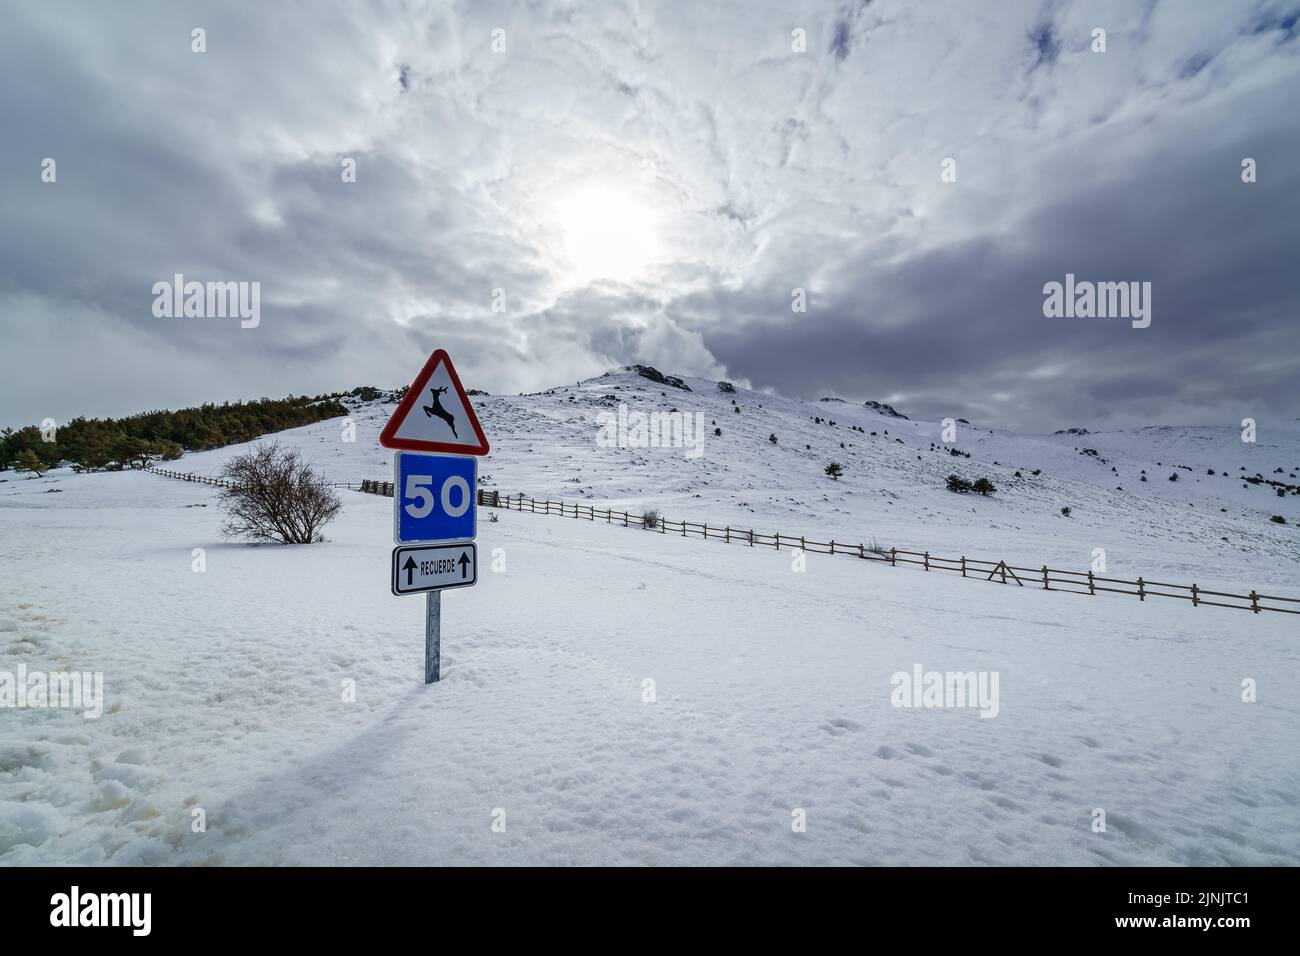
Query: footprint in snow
(841, 725)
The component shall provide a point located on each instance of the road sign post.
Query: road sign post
(437, 439)
(432, 637)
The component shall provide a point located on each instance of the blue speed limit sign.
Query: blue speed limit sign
(434, 497)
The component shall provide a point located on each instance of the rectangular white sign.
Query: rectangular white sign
(434, 567)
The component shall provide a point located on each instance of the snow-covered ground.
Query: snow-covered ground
(226, 689)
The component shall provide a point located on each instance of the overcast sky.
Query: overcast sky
(648, 182)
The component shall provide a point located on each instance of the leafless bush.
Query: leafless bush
(875, 547)
(275, 496)
(650, 519)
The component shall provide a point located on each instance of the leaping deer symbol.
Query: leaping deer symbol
(437, 409)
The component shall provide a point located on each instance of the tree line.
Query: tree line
(94, 444)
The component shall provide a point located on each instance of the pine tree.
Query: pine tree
(28, 461)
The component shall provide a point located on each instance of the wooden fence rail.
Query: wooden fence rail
(1044, 577)
(222, 483)
(1048, 579)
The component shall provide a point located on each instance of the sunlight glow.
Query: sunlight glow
(607, 234)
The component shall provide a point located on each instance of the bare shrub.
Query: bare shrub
(273, 495)
(650, 519)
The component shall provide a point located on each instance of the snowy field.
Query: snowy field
(771, 688)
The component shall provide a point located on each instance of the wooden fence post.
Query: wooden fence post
(1142, 594)
(1194, 601)
(751, 537)
(963, 565)
(727, 539)
(1254, 601)
(927, 560)
(1045, 587)
(706, 532)
(893, 558)
(862, 551)
(1092, 588)
(778, 541)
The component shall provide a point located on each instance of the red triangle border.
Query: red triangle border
(388, 437)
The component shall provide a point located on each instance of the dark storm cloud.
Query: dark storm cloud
(763, 170)
(1047, 47)
(947, 331)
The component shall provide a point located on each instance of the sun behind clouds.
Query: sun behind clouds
(606, 235)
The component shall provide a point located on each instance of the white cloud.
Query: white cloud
(762, 170)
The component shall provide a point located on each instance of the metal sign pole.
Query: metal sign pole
(432, 636)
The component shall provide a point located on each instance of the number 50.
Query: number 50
(417, 489)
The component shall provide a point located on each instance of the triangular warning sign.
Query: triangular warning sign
(435, 414)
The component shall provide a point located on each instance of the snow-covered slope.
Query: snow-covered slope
(226, 688)
(1210, 530)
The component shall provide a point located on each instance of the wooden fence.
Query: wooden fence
(1046, 578)
(222, 483)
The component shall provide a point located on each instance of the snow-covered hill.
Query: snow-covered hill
(1213, 530)
(770, 687)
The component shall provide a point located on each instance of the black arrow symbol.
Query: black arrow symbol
(409, 568)
(464, 563)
